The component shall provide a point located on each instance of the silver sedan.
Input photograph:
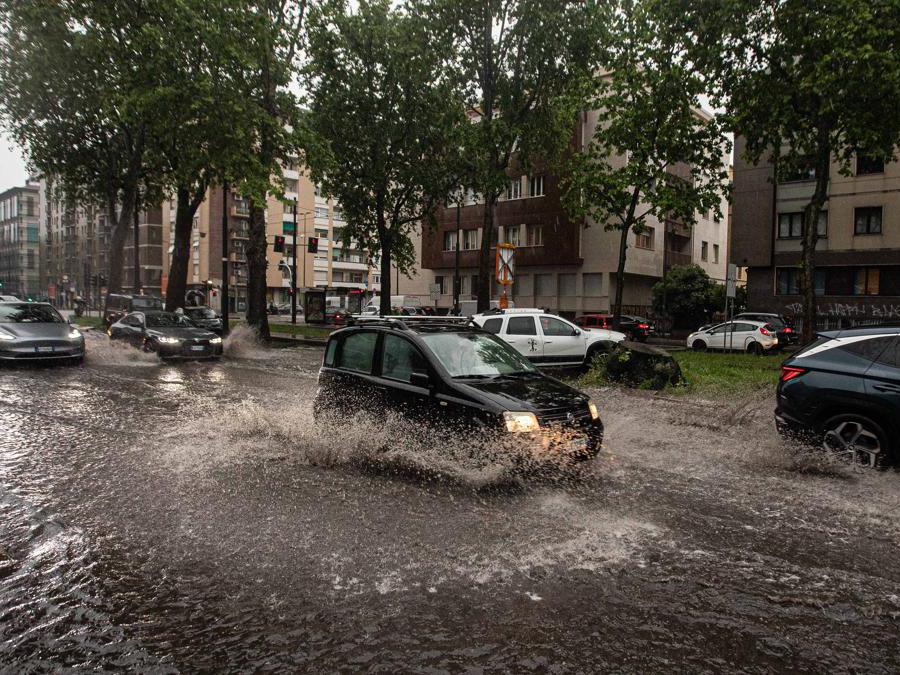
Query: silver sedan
(36, 331)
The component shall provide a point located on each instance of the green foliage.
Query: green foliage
(688, 296)
(731, 376)
(651, 153)
(387, 126)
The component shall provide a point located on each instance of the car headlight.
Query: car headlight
(165, 339)
(74, 334)
(215, 341)
(6, 336)
(520, 421)
(595, 414)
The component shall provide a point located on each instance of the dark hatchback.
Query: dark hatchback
(169, 335)
(843, 392)
(205, 317)
(457, 378)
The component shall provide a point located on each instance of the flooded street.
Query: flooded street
(183, 517)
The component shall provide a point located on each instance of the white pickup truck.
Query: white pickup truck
(546, 339)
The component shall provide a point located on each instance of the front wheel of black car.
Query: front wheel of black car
(856, 439)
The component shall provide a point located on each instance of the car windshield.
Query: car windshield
(168, 320)
(28, 313)
(139, 302)
(476, 355)
(201, 313)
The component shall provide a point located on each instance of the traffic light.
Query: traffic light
(278, 247)
(312, 246)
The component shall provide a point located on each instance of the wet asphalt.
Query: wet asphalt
(181, 517)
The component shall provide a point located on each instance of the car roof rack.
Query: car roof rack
(404, 322)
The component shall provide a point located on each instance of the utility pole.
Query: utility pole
(225, 325)
(456, 279)
(137, 248)
(294, 272)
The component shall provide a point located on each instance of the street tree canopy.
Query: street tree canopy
(650, 153)
(386, 127)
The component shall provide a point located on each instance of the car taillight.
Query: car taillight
(643, 325)
(788, 329)
(789, 373)
(763, 330)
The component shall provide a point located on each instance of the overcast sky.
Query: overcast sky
(12, 166)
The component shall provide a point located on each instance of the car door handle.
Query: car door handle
(892, 388)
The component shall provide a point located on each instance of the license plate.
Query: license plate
(43, 349)
(198, 348)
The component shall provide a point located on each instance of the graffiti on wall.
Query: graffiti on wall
(849, 310)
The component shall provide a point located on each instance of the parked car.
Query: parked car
(546, 339)
(36, 331)
(453, 376)
(842, 391)
(168, 334)
(783, 326)
(9, 298)
(336, 316)
(205, 317)
(634, 327)
(754, 337)
(118, 305)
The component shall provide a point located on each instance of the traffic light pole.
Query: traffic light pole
(225, 324)
(294, 271)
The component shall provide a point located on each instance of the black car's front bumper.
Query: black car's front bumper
(188, 350)
(570, 433)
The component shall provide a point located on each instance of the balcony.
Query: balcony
(675, 258)
(239, 233)
(240, 208)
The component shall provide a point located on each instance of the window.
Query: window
(440, 281)
(400, 359)
(866, 164)
(555, 327)
(867, 281)
(870, 349)
(493, 325)
(567, 284)
(805, 171)
(715, 253)
(543, 284)
(790, 225)
(321, 212)
(521, 325)
(593, 284)
(450, 240)
(338, 214)
(512, 234)
(330, 352)
(891, 355)
(358, 351)
(535, 186)
(644, 239)
(291, 185)
(318, 190)
(704, 251)
(534, 235)
(788, 281)
(514, 188)
(470, 240)
(867, 220)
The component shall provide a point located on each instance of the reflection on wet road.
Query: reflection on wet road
(177, 517)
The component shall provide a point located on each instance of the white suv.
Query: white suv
(546, 339)
(755, 337)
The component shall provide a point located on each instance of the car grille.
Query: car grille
(579, 416)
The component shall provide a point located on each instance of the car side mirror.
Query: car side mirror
(576, 332)
(418, 379)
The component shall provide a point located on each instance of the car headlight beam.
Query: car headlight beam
(6, 336)
(215, 341)
(517, 422)
(595, 413)
(165, 339)
(74, 334)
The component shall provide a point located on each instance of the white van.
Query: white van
(371, 308)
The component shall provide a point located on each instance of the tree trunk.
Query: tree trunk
(181, 250)
(257, 316)
(811, 238)
(387, 245)
(485, 260)
(119, 226)
(620, 276)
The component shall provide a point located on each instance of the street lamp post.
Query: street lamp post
(225, 299)
(294, 271)
(456, 280)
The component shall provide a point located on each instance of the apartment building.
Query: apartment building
(566, 265)
(858, 256)
(20, 241)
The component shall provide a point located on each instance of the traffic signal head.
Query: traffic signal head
(312, 246)
(278, 247)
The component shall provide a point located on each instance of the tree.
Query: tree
(806, 84)
(516, 61)
(652, 153)
(687, 295)
(74, 97)
(387, 124)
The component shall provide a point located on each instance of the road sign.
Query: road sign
(505, 267)
(731, 276)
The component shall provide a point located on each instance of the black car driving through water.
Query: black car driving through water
(451, 375)
(843, 392)
(205, 317)
(36, 331)
(168, 334)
